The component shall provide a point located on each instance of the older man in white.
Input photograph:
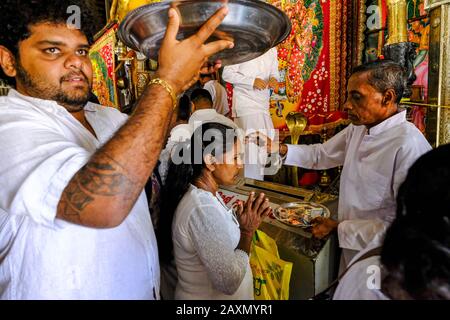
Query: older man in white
(376, 151)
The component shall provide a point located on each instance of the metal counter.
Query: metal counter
(315, 262)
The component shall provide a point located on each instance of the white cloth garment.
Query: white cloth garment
(251, 106)
(363, 280)
(246, 99)
(209, 115)
(42, 257)
(255, 157)
(205, 236)
(219, 96)
(375, 163)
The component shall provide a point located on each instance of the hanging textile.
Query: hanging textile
(103, 65)
(313, 59)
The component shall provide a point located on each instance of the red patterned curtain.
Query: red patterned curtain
(313, 60)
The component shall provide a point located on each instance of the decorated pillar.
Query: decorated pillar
(120, 8)
(438, 120)
(397, 47)
(397, 22)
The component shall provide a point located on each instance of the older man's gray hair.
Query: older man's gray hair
(384, 75)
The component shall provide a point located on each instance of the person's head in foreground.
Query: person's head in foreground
(45, 52)
(416, 250)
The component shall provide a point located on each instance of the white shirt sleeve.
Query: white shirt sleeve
(40, 163)
(356, 234)
(362, 281)
(405, 158)
(319, 156)
(223, 99)
(233, 75)
(209, 86)
(218, 95)
(274, 68)
(225, 265)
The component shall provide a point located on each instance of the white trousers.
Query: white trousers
(255, 157)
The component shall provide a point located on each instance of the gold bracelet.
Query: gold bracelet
(168, 88)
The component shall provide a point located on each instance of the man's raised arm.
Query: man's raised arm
(103, 192)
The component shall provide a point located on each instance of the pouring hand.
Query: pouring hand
(261, 140)
(272, 146)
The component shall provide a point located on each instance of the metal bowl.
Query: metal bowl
(254, 25)
(325, 212)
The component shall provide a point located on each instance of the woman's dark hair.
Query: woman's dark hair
(184, 108)
(416, 250)
(17, 16)
(214, 138)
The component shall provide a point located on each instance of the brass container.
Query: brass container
(397, 21)
(296, 123)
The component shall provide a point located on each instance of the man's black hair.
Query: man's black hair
(184, 108)
(18, 15)
(201, 94)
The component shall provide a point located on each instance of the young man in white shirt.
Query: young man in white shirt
(252, 81)
(376, 151)
(74, 222)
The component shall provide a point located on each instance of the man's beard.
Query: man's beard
(39, 89)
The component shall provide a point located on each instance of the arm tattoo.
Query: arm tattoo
(103, 192)
(102, 179)
(97, 178)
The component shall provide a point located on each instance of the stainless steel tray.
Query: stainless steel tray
(254, 25)
(302, 223)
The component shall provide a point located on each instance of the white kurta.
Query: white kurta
(209, 115)
(219, 96)
(363, 280)
(42, 257)
(255, 156)
(246, 99)
(205, 236)
(375, 163)
(251, 106)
